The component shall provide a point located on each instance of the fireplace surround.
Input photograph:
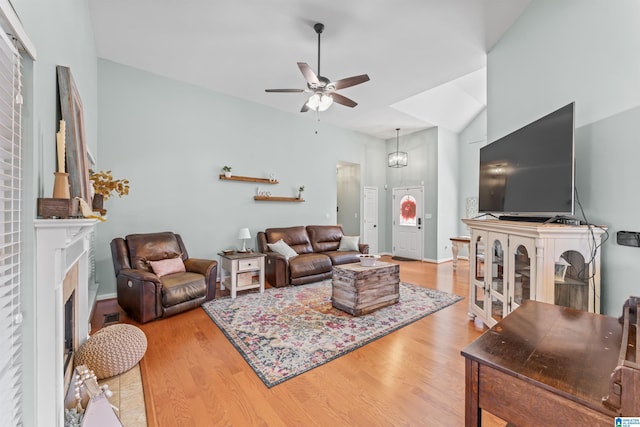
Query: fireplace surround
(62, 272)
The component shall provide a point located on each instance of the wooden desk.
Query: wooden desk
(543, 365)
(455, 246)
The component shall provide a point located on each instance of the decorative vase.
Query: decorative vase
(98, 203)
(227, 174)
(61, 186)
(299, 194)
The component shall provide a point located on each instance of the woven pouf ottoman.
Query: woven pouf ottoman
(112, 350)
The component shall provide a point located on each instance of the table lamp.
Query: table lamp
(243, 235)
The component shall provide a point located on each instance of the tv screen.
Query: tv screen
(530, 172)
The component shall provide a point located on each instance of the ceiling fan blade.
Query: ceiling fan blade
(350, 81)
(308, 74)
(304, 108)
(285, 90)
(343, 100)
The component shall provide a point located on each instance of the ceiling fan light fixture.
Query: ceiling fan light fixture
(320, 101)
(398, 159)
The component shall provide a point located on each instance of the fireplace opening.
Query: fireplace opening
(69, 330)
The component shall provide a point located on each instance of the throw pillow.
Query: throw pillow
(167, 266)
(349, 243)
(283, 249)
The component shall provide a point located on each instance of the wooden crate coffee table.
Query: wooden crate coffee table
(360, 290)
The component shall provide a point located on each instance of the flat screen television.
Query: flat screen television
(530, 172)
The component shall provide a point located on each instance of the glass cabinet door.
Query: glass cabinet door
(522, 250)
(571, 281)
(498, 290)
(479, 266)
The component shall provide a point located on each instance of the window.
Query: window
(10, 233)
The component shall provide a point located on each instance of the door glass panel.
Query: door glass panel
(479, 258)
(479, 297)
(407, 211)
(497, 268)
(497, 308)
(571, 281)
(522, 279)
(479, 294)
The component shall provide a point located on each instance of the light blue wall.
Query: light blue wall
(62, 34)
(471, 139)
(171, 139)
(584, 51)
(447, 212)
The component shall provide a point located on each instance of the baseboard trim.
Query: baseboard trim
(106, 296)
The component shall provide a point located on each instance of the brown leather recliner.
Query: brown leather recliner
(143, 294)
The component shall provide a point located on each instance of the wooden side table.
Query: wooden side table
(456, 242)
(240, 271)
(543, 365)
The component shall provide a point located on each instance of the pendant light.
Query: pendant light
(398, 159)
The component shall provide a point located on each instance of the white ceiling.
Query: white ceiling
(426, 58)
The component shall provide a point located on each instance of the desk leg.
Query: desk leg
(472, 411)
(454, 249)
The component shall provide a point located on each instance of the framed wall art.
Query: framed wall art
(76, 147)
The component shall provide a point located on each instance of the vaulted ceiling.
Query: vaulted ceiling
(426, 58)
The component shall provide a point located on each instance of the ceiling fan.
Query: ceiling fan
(322, 89)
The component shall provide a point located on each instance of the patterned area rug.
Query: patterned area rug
(287, 331)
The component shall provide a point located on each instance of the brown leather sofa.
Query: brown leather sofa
(317, 252)
(143, 294)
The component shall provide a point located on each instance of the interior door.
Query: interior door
(408, 230)
(370, 218)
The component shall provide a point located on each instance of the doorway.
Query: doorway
(407, 222)
(370, 219)
(348, 197)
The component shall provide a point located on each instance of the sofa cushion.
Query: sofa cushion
(325, 237)
(181, 287)
(282, 248)
(343, 257)
(296, 237)
(168, 266)
(309, 264)
(349, 243)
(151, 247)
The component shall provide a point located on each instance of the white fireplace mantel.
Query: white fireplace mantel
(60, 244)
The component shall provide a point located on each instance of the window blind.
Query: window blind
(10, 234)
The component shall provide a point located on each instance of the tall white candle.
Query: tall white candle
(60, 143)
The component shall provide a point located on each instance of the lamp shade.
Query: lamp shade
(244, 233)
(398, 159)
(319, 102)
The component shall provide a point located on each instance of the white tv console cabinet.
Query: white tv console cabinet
(511, 261)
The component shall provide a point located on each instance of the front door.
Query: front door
(408, 230)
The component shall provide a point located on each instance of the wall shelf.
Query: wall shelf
(248, 179)
(277, 199)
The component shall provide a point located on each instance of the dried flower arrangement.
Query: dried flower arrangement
(104, 184)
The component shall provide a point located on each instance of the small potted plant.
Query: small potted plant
(227, 171)
(104, 185)
(300, 191)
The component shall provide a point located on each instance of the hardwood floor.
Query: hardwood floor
(193, 376)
